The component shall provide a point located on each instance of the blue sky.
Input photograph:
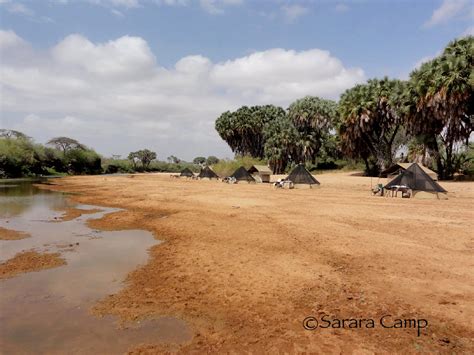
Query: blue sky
(110, 58)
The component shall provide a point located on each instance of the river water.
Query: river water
(48, 311)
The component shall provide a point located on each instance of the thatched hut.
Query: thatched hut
(207, 174)
(398, 168)
(260, 173)
(186, 172)
(421, 184)
(241, 174)
(302, 178)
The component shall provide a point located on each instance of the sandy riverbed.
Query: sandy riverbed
(245, 264)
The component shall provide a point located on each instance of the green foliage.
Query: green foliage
(199, 160)
(225, 167)
(439, 102)
(243, 130)
(280, 143)
(144, 156)
(83, 161)
(313, 118)
(371, 119)
(19, 157)
(211, 160)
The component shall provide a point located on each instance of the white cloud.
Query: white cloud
(449, 10)
(293, 12)
(115, 96)
(10, 39)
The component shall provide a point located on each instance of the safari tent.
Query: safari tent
(398, 168)
(241, 174)
(186, 172)
(260, 173)
(207, 173)
(416, 178)
(302, 178)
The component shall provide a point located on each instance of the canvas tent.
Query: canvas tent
(417, 180)
(241, 174)
(261, 173)
(302, 178)
(398, 168)
(186, 172)
(207, 173)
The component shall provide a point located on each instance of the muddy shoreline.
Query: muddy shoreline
(29, 261)
(245, 278)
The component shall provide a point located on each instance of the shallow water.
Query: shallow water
(48, 311)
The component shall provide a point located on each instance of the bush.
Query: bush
(226, 167)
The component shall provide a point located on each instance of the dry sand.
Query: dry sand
(29, 261)
(10, 234)
(245, 264)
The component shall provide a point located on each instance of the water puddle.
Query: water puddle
(48, 311)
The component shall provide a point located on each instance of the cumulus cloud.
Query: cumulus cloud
(449, 10)
(116, 97)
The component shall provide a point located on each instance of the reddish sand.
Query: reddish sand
(28, 261)
(9, 234)
(245, 264)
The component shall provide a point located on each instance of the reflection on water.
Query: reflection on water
(48, 311)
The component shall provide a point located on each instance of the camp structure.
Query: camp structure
(241, 174)
(302, 178)
(186, 172)
(207, 174)
(421, 184)
(260, 173)
(398, 168)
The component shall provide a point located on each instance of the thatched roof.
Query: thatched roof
(207, 173)
(416, 179)
(186, 172)
(262, 169)
(300, 175)
(403, 166)
(241, 174)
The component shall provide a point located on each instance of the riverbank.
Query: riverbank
(245, 264)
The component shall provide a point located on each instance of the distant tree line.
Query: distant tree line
(429, 118)
(20, 156)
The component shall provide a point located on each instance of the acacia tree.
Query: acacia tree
(243, 130)
(10, 133)
(313, 119)
(370, 122)
(145, 156)
(199, 160)
(65, 144)
(440, 103)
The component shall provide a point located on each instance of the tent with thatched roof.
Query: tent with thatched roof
(398, 168)
(302, 178)
(207, 173)
(241, 174)
(186, 172)
(417, 180)
(260, 173)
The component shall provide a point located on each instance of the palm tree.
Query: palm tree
(439, 102)
(313, 118)
(371, 121)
